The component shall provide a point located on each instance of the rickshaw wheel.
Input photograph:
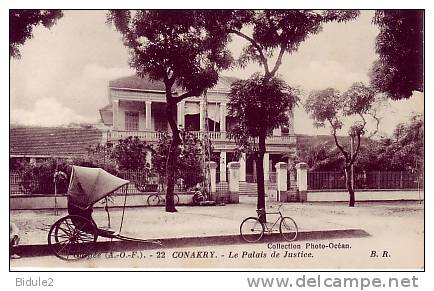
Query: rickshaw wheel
(72, 237)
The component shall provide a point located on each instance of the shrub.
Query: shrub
(39, 178)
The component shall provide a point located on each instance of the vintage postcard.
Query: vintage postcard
(217, 139)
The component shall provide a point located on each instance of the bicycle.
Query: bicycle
(157, 198)
(252, 229)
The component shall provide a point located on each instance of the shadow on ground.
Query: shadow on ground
(121, 245)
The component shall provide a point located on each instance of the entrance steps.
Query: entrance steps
(247, 188)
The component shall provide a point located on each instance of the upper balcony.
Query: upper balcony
(215, 137)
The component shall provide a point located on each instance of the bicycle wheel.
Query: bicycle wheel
(288, 229)
(176, 199)
(72, 237)
(251, 229)
(153, 200)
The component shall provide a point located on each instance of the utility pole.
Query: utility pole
(352, 165)
(206, 152)
(55, 187)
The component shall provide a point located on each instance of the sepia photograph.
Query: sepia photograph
(216, 140)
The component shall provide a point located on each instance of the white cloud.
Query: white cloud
(47, 112)
(63, 74)
(96, 71)
(400, 111)
(323, 74)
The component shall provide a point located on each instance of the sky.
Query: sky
(63, 73)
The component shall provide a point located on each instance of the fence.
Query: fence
(140, 182)
(35, 184)
(15, 183)
(365, 180)
(218, 176)
(222, 187)
(252, 178)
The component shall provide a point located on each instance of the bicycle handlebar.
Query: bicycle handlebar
(278, 208)
(263, 210)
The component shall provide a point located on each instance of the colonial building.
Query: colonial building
(137, 108)
(33, 144)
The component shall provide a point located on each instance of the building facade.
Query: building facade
(137, 108)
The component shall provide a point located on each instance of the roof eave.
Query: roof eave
(141, 90)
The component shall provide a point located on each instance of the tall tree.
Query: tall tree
(330, 107)
(189, 158)
(181, 49)
(259, 106)
(274, 33)
(22, 22)
(399, 45)
(407, 145)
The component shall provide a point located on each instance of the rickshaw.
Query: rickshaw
(74, 236)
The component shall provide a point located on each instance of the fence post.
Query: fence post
(378, 180)
(302, 181)
(234, 181)
(281, 181)
(400, 180)
(212, 174)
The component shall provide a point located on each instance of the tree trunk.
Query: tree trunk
(260, 176)
(348, 179)
(171, 158)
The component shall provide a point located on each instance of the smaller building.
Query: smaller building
(33, 144)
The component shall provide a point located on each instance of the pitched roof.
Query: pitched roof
(305, 141)
(52, 141)
(228, 80)
(137, 83)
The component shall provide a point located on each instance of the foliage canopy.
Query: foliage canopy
(259, 105)
(22, 22)
(399, 68)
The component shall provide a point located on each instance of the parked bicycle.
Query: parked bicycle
(160, 198)
(252, 229)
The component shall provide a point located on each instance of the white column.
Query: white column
(180, 114)
(291, 121)
(234, 182)
(222, 116)
(148, 124)
(202, 115)
(243, 167)
(212, 173)
(234, 173)
(148, 158)
(281, 176)
(115, 114)
(266, 165)
(292, 182)
(222, 166)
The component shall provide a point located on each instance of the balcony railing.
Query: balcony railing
(213, 135)
(143, 135)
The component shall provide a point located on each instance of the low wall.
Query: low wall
(376, 195)
(21, 202)
(47, 202)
